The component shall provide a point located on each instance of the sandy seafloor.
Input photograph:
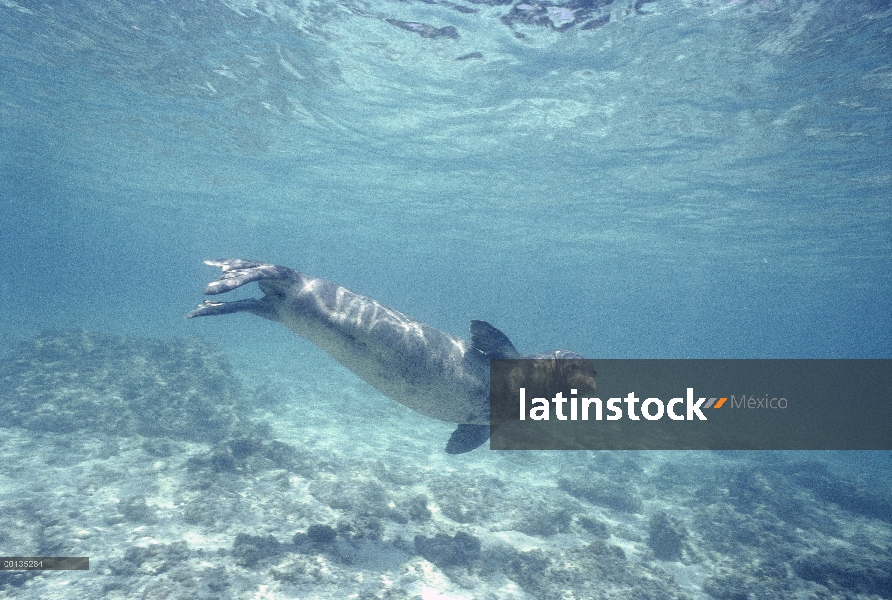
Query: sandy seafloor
(306, 483)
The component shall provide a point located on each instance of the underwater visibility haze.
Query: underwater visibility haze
(623, 178)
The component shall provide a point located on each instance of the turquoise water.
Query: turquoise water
(699, 182)
(689, 180)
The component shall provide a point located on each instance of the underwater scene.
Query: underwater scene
(622, 179)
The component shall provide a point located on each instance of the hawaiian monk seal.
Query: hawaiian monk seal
(423, 368)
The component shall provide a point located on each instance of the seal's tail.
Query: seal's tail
(236, 273)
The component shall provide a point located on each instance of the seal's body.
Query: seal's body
(423, 368)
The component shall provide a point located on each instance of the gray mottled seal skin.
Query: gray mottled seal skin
(423, 368)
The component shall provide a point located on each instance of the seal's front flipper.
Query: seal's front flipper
(238, 272)
(491, 341)
(209, 308)
(467, 437)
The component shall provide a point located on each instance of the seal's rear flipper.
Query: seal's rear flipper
(491, 341)
(209, 308)
(467, 437)
(237, 272)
